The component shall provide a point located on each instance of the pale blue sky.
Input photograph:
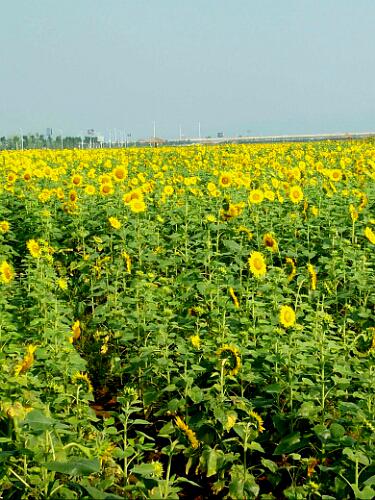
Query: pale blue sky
(263, 66)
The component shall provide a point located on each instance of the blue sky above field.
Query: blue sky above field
(241, 66)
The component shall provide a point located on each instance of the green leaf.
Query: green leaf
(211, 463)
(167, 430)
(101, 495)
(76, 466)
(337, 430)
(195, 394)
(269, 464)
(37, 421)
(144, 469)
(288, 443)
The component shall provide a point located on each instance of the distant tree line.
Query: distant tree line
(40, 141)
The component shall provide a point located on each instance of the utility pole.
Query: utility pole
(62, 139)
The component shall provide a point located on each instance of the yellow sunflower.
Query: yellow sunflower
(270, 242)
(114, 222)
(34, 248)
(6, 272)
(137, 206)
(4, 226)
(231, 355)
(225, 179)
(370, 235)
(287, 316)
(295, 194)
(256, 196)
(257, 264)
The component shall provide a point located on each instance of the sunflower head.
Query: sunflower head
(257, 264)
(287, 316)
(230, 356)
(295, 194)
(270, 242)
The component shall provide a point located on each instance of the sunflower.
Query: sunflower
(257, 264)
(34, 248)
(4, 226)
(231, 355)
(106, 189)
(270, 243)
(293, 271)
(370, 235)
(234, 297)
(313, 276)
(295, 194)
(128, 261)
(137, 206)
(79, 376)
(90, 190)
(76, 180)
(287, 316)
(335, 175)
(256, 196)
(27, 361)
(168, 190)
(353, 212)
(225, 179)
(135, 194)
(114, 222)
(6, 272)
(76, 331)
(73, 196)
(258, 419)
(195, 341)
(119, 173)
(190, 434)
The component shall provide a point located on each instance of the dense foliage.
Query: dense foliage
(188, 322)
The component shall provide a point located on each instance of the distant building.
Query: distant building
(220, 135)
(152, 141)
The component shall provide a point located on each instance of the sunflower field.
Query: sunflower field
(188, 322)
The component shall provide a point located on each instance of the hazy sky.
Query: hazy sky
(237, 66)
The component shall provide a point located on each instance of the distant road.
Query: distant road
(280, 138)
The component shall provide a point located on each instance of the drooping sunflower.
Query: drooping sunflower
(234, 297)
(370, 235)
(292, 265)
(231, 355)
(287, 316)
(190, 434)
(257, 264)
(6, 272)
(79, 376)
(76, 331)
(27, 361)
(270, 242)
(296, 194)
(313, 276)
